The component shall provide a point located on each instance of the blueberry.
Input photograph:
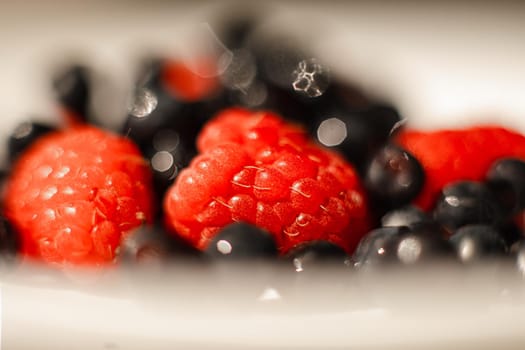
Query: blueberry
(24, 135)
(282, 63)
(241, 241)
(424, 242)
(467, 202)
(72, 88)
(510, 232)
(404, 216)
(384, 119)
(356, 133)
(154, 107)
(241, 72)
(277, 58)
(317, 253)
(419, 243)
(310, 78)
(9, 242)
(520, 256)
(256, 95)
(510, 172)
(378, 247)
(475, 242)
(167, 157)
(235, 32)
(148, 244)
(393, 177)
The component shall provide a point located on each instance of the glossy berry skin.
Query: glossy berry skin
(256, 168)
(452, 155)
(520, 257)
(72, 90)
(378, 247)
(318, 254)
(149, 243)
(393, 177)
(241, 241)
(418, 244)
(24, 135)
(478, 242)
(510, 172)
(404, 216)
(73, 195)
(424, 243)
(467, 202)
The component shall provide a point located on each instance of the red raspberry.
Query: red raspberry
(186, 84)
(256, 168)
(74, 194)
(451, 155)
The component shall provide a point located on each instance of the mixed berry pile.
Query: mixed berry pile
(273, 158)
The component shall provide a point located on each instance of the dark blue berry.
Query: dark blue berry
(520, 256)
(241, 241)
(378, 247)
(24, 135)
(510, 232)
(317, 253)
(510, 172)
(167, 157)
(148, 244)
(278, 58)
(235, 31)
(404, 216)
(9, 242)
(393, 177)
(467, 202)
(154, 107)
(72, 88)
(476, 242)
(241, 73)
(417, 244)
(423, 243)
(356, 133)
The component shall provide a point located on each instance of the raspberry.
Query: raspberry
(451, 155)
(256, 168)
(186, 84)
(73, 195)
